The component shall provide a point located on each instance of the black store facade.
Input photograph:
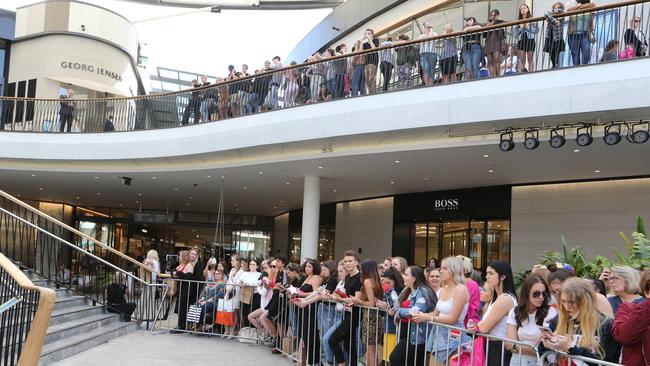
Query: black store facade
(471, 222)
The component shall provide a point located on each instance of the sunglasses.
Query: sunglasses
(273, 266)
(537, 294)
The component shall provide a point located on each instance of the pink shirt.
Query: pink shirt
(474, 301)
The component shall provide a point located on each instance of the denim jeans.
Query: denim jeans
(328, 319)
(332, 85)
(327, 334)
(472, 59)
(358, 81)
(580, 47)
(253, 103)
(205, 105)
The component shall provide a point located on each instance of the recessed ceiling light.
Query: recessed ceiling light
(121, 204)
(334, 190)
(237, 209)
(260, 173)
(18, 195)
(576, 150)
(486, 156)
(40, 189)
(137, 201)
(236, 204)
(596, 171)
(99, 194)
(396, 161)
(139, 194)
(33, 175)
(191, 198)
(187, 204)
(208, 176)
(281, 201)
(244, 187)
(96, 177)
(77, 197)
(288, 183)
(154, 178)
(426, 179)
(274, 207)
(176, 188)
(320, 167)
(490, 171)
(392, 182)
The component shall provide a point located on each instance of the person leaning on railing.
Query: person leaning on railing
(183, 273)
(472, 51)
(495, 43)
(372, 329)
(524, 319)
(525, 36)
(580, 329)
(393, 284)
(632, 327)
(581, 33)
(416, 298)
(333, 312)
(635, 37)
(115, 295)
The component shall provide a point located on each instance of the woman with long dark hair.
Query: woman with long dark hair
(416, 297)
(523, 320)
(393, 284)
(554, 40)
(525, 35)
(307, 328)
(371, 290)
(494, 322)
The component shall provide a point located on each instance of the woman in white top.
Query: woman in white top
(450, 310)
(153, 263)
(268, 275)
(428, 56)
(509, 64)
(236, 261)
(525, 318)
(499, 278)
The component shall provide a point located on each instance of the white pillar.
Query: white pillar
(310, 218)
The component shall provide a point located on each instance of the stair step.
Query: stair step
(67, 302)
(73, 313)
(77, 343)
(62, 293)
(79, 326)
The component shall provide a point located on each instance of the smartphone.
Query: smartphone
(544, 329)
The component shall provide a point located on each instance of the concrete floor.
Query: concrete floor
(143, 348)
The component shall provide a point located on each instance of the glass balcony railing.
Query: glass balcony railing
(562, 38)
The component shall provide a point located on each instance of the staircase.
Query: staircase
(76, 325)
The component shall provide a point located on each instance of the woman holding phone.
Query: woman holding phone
(525, 319)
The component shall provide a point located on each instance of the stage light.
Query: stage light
(506, 142)
(557, 139)
(531, 139)
(612, 134)
(583, 137)
(638, 136)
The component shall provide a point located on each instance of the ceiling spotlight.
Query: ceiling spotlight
(583, 137)
(557, 139)
(531, 139)
(638, 136)
(126, 181)
(506, 142)
(612, 134)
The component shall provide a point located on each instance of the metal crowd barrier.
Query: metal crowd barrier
(556, 358)
(454, 55)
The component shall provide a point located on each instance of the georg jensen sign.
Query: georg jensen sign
(90, 68)
(449, 204)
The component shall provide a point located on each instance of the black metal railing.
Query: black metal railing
(556, 40)
(69, 259)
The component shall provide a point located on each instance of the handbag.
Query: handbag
(225, 314)
(171, 287)
(465, 357)
(248, 335)
(246, 294)
(194, 314)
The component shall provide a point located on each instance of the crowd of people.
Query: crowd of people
(489, 53)
(395, 313)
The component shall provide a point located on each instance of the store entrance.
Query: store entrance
(482, 241)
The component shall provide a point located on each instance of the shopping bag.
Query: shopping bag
(246, 294)
(225, 313)
(248, 335)
(225, 305)
(390, 341)
(465, 357)
(194, 314)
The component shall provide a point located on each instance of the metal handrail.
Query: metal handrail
(79, 233)
(31, 350)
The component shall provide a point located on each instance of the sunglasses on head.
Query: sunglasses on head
(537, 294)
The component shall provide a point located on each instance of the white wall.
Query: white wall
(590, 214)
(365, 225)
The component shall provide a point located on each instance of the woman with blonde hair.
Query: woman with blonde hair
(183, 272)
(581, 329)
(400, 264)
(624, 284)
(153, 263)
(450, 309)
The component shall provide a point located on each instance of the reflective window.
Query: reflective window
(498, 241)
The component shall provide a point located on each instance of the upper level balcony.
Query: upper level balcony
(459, 89)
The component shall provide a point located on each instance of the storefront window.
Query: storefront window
(251, 243)
(434, 237)
(498, 241)
(420, 254)
(476, 246)
(454, 238)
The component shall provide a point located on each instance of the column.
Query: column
(310, 218)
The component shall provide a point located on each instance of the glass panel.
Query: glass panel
(326, 243)
(454, 238)
(251, 243)
(420, 254)
(294, 247)
(476, 248)
(168, 74)
(498, 241)
(432, 245)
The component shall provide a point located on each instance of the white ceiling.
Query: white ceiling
(263, 189)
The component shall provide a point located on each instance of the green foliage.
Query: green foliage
(577, 259)
(638, 249)
(519, 278)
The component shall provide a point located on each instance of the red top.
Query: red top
(632, 329)
(406, 304)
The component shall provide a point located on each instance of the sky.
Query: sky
(205, 42)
